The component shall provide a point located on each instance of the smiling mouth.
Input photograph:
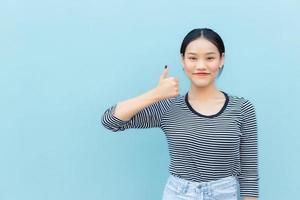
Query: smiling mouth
(201, 74)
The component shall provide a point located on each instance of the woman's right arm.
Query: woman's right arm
(143, 111)
(125, 110)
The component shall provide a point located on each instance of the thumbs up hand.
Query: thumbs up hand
(167, 86)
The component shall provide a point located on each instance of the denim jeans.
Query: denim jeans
(227, 188)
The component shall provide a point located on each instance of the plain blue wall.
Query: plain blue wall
(62, 63)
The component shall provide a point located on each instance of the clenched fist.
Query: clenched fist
(167, 86)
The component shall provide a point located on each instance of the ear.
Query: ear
(181, 59)
(222, 59)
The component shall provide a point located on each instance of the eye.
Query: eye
(192, 58)
(211, 58)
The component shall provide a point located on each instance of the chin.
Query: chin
(201, 83)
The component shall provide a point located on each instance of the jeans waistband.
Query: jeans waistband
(184, 182)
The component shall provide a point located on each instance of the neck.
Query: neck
(203, 94)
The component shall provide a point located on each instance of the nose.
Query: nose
(200, 65)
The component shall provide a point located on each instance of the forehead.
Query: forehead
(201, 46)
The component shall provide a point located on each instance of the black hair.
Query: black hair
(208, 34)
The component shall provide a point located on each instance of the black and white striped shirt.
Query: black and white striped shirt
(202, 147)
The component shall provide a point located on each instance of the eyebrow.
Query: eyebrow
(206, 53)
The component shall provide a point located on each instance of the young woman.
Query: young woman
(211, 134)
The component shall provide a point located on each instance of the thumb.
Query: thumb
(164, 73)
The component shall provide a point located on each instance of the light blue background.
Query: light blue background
(62, 63)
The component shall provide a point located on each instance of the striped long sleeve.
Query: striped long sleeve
(248, 177)
(148, 117)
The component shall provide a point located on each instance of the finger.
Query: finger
(164, 73)
(175, 79)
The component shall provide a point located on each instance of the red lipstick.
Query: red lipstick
(201, 74)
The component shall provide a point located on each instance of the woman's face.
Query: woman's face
(202, 56)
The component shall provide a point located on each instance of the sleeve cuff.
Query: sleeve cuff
(112, 122)
(249, 187)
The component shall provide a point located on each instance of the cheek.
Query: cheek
(214, 68)
(188, 67)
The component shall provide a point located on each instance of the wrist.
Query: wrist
(154, 94)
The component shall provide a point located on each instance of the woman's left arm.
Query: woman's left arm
(248, 177)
